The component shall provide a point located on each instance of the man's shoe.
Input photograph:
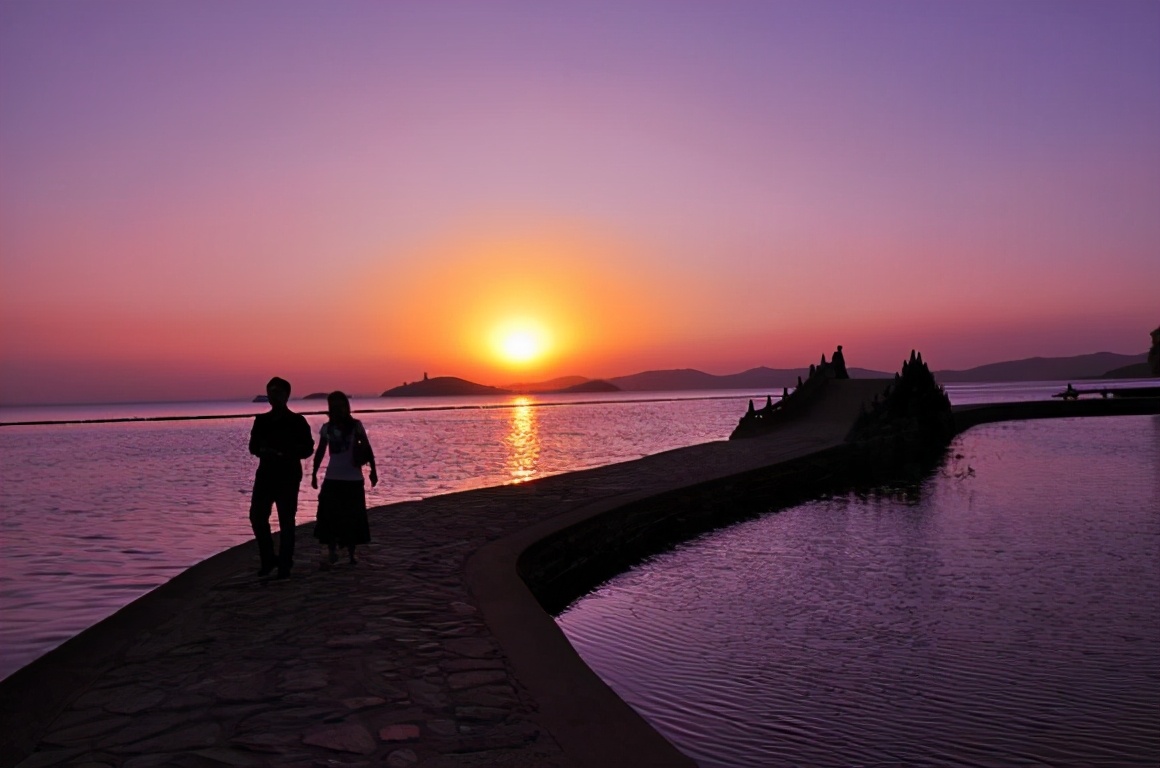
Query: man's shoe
(266, 570)
(283, 573)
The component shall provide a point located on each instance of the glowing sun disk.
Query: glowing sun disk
(520, 344)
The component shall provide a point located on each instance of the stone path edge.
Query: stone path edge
(34, 694)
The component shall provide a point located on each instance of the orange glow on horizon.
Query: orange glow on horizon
(549, 303)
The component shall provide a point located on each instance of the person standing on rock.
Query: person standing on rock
(280, 439)
(342, 502)
(839, 363)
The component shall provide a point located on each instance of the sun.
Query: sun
(520, 342)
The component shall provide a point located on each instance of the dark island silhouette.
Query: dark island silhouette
(453, 386)
(443, 386)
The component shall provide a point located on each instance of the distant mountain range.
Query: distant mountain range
(1092, 366)
(1098, 365)
(754, 378)
(552, 385)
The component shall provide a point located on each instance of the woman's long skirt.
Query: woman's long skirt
(342, 514)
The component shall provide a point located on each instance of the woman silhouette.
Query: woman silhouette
(342, 504)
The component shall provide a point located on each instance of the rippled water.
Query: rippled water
(94, 515)
(1004, 613)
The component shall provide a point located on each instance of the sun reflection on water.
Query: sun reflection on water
(523, 442)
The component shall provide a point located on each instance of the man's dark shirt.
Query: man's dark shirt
(288, 440)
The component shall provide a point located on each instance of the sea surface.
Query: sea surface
(101, 503)
(1004, 612)
(94, 515)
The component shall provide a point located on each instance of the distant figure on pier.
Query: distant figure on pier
(1154, 353)
(342, 502)
(280, 439)
(839, 363)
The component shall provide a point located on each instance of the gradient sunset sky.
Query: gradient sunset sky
(195, 196)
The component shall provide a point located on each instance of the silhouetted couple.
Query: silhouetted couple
(281, 439)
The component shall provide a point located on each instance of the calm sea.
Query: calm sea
(93, 515)
(1003, 612)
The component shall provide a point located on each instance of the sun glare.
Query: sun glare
(520, 343)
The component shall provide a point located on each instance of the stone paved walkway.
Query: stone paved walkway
(387, 662)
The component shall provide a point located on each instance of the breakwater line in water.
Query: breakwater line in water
(511, 402)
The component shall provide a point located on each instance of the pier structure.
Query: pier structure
(439, 648)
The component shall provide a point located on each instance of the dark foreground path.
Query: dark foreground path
(430, 652)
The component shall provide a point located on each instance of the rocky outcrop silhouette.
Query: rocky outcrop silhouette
(760, 421)
(914, 409)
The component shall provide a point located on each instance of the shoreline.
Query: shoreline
(484, 670)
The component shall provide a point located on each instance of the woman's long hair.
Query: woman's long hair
(338, 408)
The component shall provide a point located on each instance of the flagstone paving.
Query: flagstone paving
(387, 662)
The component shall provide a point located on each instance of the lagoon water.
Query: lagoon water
(1003, 612)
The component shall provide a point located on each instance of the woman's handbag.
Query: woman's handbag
(360, 447)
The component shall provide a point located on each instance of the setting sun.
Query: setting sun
(519, 343)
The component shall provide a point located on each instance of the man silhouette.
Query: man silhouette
(839, 363)
(280, 439)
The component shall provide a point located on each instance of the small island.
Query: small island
(443, 386)
(453, 386)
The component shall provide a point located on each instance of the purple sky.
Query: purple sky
(197, 195)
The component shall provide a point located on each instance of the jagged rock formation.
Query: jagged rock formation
(914, 409)
(759, 422)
